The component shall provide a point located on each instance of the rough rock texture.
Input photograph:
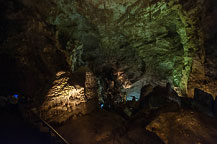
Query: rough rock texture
(159, 41)
(69, 97)
(142, 42)
(170, 123)
(106, 128)
(28, 54)
(91, 85)
(184, 127)
(204, 74)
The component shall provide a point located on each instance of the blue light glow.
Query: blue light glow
(131, 94)
(102, 105)
(16, 96)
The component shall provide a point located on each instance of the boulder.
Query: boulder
(204, 99)
(158, 97)
(144, 95)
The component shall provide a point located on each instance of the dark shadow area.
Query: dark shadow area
(10, 76)
(15, 130)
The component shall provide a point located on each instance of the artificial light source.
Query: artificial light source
(16, 96)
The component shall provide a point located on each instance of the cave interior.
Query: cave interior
(111, 72)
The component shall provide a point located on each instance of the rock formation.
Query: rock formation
(66, 56)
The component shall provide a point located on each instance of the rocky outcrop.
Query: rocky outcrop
(142, 42)
(203, 72)
(148, 41)
(29, 55)
(204, 99)
(184, 127)
(91, 85)
(69, 97)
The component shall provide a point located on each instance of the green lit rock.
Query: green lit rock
(158, 35)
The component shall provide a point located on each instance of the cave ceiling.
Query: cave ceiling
(147, 41)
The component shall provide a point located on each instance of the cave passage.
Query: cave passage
(107, 72)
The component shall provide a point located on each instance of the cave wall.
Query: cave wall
(144, 42)
(203, 75)
(29, 55)
(70, 96)
(160, 41)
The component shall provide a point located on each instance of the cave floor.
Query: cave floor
(167, 125)
(105, 127)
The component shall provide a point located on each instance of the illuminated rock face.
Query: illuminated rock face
(154, 41)
(66, 99)
(148, 42)
(157, 35)
(91, 86)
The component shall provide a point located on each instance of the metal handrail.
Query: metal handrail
(52, 129)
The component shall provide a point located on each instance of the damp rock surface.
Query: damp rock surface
(184, 127)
